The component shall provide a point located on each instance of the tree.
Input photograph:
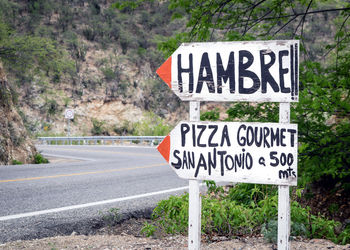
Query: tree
(20, 53)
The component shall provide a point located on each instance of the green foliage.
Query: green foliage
(109, 73)
(152, 125)
(212, 115)
(246, 209)
(39, 159)
(213, 188)
(148, 229)
(172, 214)
(20, 53)
(111, 217)
(16, 162)
(52, 107)
(98, 127)
(126, 128)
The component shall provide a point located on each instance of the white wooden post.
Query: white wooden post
(283, 195)
(194, 209)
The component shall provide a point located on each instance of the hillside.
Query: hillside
(105, 70)
(15, 145)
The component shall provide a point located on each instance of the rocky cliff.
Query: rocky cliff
(15, 145)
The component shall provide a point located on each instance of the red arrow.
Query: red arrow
(164, 148)
(164, 72)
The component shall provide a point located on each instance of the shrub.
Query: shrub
(152, 125)
(98, 127)
(246, 209)
(15, 162)
(148, 229)
(126, 128)
(39, 159)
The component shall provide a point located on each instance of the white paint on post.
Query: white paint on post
(194, 209)
(194, 219)
(283, 195)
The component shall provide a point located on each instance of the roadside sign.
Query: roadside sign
(69, 114)
(264, 153)
(254, 71)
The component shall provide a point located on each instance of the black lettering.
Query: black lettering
(292, 80)
(292, 134)
(283, 159)
(222, 153)
(258, 135)
(181, 70)
(283, 174)
(232, 163)
(228, 74)
(266, 135)
(290, 170)
(241, 140)
(290, 159)
(185, 128)
(214, 128)
(190, 159)
(208, 78)
(275, 137)
(296, 63)
(266, 76)
(238, 161)
(274, 158)
(283, 130)
(201, 163)
(202, 128)
(225, 137)
(282, 70)
(178, 164)
(194, 135)
(250, 136)
(211, 161)
(248, 164)
(184, 161)
(243, 72)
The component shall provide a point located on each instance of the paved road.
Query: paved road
(72, 195)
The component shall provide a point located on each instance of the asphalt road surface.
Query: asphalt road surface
(77, 190)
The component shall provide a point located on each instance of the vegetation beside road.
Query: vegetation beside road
(241, 211)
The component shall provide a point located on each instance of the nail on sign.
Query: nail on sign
(257, 71)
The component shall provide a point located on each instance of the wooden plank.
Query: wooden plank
(253, 71)
(264, 153)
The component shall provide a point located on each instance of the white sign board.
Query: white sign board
(69, 114)
(254, 71)
(264, 153)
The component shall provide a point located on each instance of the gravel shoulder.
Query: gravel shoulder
(127, 236)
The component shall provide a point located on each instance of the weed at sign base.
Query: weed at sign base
(243, 210)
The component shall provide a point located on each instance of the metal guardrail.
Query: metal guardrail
(99, 140)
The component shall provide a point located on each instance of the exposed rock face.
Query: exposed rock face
(14, 141)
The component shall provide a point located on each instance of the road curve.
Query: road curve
(73, 194)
